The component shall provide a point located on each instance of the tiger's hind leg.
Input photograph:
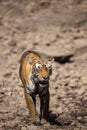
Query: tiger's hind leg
(31, 107)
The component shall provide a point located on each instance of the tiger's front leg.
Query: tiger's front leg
(44, 108)
(30, 100)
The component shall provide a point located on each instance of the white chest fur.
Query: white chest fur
(30, 86)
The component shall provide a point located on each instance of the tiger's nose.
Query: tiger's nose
(45, 78)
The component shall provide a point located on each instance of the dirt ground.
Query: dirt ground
(57, 28)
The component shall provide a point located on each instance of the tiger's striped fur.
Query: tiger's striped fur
(35, 74)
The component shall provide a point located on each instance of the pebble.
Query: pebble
(81, 90)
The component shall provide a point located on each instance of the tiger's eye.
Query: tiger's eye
(38, 66)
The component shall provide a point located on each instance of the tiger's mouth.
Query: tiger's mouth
(43, 83)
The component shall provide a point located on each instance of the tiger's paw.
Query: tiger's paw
(44, 121)
(35, 121)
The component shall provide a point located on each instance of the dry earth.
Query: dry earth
(57, 28)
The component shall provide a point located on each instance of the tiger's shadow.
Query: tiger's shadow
(53, 119)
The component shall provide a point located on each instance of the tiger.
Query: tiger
(35, 74)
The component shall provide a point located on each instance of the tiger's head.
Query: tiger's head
(41, 73)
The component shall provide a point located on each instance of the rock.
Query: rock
(61, 93)
(52, 51)
(73, 83)
(84, 79)
(85, 119)
(84, 100)
(80, 43)
(79, 118)
(64, 119)
(82, 90)
(32, 127)
(59, 110)
(23, 128)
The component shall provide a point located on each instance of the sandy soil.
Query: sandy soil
(58, 28)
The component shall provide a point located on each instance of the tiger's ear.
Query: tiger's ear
(50, 60)
(30, 60)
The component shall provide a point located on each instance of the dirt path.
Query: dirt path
(58, 29)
